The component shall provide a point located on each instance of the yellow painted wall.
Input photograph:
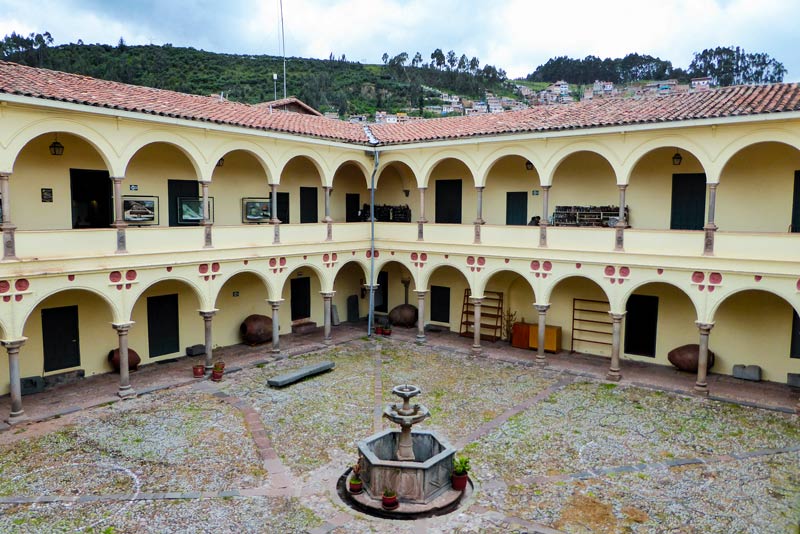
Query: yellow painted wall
(240, 176)
(756, 188)
(649, 191)
(348, 179)
(451, 169)
(396, 272)
(349, 281)
(285, 312)
(517, 297)
(509, 175)
(560, 313)
(584, 179)
(300, 172)
(393, 181)
(448, 277)
(252, 299)
(36, 169)
(190, 324)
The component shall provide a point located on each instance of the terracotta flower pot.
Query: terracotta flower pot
(387, 332)
(460, 482)
(379, 330)
(216, 375)
(356, 487)
(389, 503)
(199, 370)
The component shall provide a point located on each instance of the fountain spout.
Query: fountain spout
(406, 415)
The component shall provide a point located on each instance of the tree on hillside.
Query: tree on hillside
(452, 60)
(734, 66)
(417, 61)
(438, 59)
(463, 63)
(385, 58)
(474, 65)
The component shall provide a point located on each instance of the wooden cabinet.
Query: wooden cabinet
(526, 336)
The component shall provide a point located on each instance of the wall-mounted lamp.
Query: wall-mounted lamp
(529, 165)
(406, 192)
(677, 158)
(56, 148)
(220, 162)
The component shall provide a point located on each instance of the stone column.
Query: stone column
(421, 315)
(206, 215)
(125, 389)
(476, 325)
(328, 220)
(119, 221)
(276, 328)
(619, 228)
(543, 221)
(274, 209)
(17, 413)
(207, 318)
(613, 372)
(479, 216)
(9, 242)
(422, 220)
(326, 311)
(710, 227)
(701, 385)
(542, 309)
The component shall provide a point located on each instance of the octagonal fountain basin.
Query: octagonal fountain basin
(420, 481)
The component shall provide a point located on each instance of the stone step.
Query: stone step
(304, 328)
(290, 378)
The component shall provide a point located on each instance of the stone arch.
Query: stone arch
(188, 148)
(361, 263)
(670, 141)
(348, 179)
(349, 279)
(441, 157)
(482, 282)
(265, 281)
(583, 178)
(394, 158)
(450, 276)
(95, 139)
(789, 297)
(632, 288)
(243, 293)
(579, 304)
(764, 135)
(324, 279)
(312, 157)
(318, 283)
(548, 170)
(424, 277)
(495, 157)
(548, 288)
(203, 301)
(402, 169)
(347, 159)
(258, 153)
(117, 315)
(508, 186)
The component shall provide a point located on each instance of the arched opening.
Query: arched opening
(659, 317)
(655, 179)
(72, 190)
(451, 193)
(508, 299)
(580, 307)
(166, 321)
(302, 308)
(396, 194)
(351, 298)
(162, 171)
(68, 332)
(446, 287)
(395, 286)
(584, 192)
(755, 327)
(240, 190)
(300, 198)
(243, 294)
(349, 194)
(516, 188)
(759, 190)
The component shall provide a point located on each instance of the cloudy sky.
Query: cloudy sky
(517, 35)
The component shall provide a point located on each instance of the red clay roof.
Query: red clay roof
(724, 102)
(290, 103)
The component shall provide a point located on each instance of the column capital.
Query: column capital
(480, 187)
(13, 343)
(327, 187)
(5, 175)
(705, 328)
(617, 317)
(327, 294)
(712, 185)
(207, 314)
(477, 300)
(205, 183)
(117, 178)
(422, 188)
(545, 187)
(541, 308)
(275, 303)
(420, 292)
(122, 327)
(370, 288)
(622, 186)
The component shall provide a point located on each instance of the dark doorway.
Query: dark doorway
(301, 298)
(440, 304)
(308, 205)
(60, 338)
(641, 324)
(162, 325)
(688, 201)
(92, 198)
(448, 201)
(382, 293)
(517, 207)
(796, 203)
(795, 350)
(179, 188)
(283, 207)
(352, 207)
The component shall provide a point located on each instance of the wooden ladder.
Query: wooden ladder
(491, 326)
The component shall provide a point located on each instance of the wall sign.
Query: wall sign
(47, 194)
(133, 187)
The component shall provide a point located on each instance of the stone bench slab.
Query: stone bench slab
(299, 374)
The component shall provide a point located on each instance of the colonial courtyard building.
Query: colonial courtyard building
(142, 218)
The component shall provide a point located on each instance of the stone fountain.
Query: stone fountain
(416, 464)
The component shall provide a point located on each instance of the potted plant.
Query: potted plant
(389, 499)
(379, 329)
(356, 485)
(460, 470)
(199, 370)
(387, 329)
(217, 371)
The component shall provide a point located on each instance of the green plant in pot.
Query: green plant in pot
(389, 499)
(217, 371)
(460, 473)
(355, 484)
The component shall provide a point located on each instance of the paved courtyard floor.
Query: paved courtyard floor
(552, 450)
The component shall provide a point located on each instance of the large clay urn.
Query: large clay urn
(256, 329)
(685, 357)
(403, 315)
(133, 359)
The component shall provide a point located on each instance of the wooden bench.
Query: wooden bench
(299, 374)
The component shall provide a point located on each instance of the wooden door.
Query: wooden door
(517, 207)
(308, 205)
(796, 203)
(283, 207)
(641, 325)
(163, 325)
(352, 206)
(92, 198)
(688, 201)
(61, 343)
(440, 304)
(301, 298)
(382, 293)
(176, 189)
(448, 201)
(795, 348)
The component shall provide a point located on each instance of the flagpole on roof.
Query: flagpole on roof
(283, 47)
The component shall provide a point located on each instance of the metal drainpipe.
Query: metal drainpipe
(376, 160)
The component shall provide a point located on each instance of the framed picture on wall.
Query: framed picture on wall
(140, 210)
(190, 210)
(255, 210)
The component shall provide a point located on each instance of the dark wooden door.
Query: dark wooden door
(352, 205)
(283, 207)
(92, 198)
(688, 201)
(382, 293)
(60, 340)
(641, 325)
(179, 188)
(301, 298)
(517, 207)
(448, 201)
(162, 325)
(796, 203)
(795, 349)
(308, 205)
(440, 304)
